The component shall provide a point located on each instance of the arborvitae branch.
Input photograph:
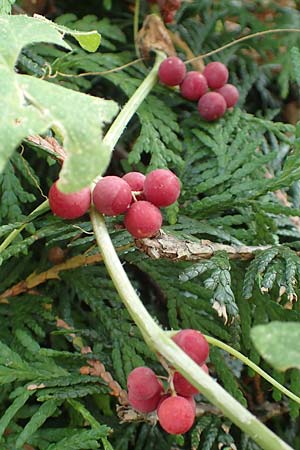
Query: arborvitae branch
(167, 246)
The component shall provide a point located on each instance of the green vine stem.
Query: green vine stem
(161, 343)
(156, 338)
(232, 351)
(244, 38)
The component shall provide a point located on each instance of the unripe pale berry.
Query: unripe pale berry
(112, 196)
(194, 344)
(143, 384)
(212, 106)
(143, 219)
(193, 86)
(183, 386)
(216, 74)
(161, 187)
(230, 94)
(176, 415)
(135, 180)
(69, 206)
(171, 71)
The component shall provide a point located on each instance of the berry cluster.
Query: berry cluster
(168, 8)
(176, 407)
(136, 196)
(195, 86)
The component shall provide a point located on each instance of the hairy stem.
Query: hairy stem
(160, 342)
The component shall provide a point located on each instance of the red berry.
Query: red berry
(143, 219)
(212, 106)
(183, 386)
(112, 196)
(171, 71)
(161, 187)
(145, 405)
(69, 206)
(135, 180)
(216, 74)
(142, 383)
(168, 17)
(176, 415)
(230, 94)
(193, 343)
(193, 86)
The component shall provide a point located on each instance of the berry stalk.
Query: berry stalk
(161, 343)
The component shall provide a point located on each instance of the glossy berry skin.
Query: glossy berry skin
(216, 74)
(193, 86)
(112, 196)
(230, 94)
(145, 405)
(212, 106)
(135, 180)
(171, 71)
(143, 219)
(69, 206)
(176, 415)
(194, 344)
(161, 187)
(142, 383)
(183, 386)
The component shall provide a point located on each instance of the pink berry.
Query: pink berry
(194, 344)
(69, 206)
(212, 106)
(142, 383)
(171, 71)
(193, 86)
(145, 405)
(161, 187)
(183, 386)
(216, 74)
(135, 180)
(230, 94)
(112, 196)
(143, 219)
(176, 415)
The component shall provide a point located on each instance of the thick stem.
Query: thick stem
(163, 344)
(115, 131)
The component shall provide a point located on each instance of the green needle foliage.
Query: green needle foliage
(240, 186)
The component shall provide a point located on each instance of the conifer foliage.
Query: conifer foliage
(190, 159)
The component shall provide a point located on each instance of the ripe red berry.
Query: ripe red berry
(112, 196)
(193, 343)
(143, 219)
(171, 71)
(69, 206)
(176, 415)
(216, 74)
(193, 86)
(212, 106)
(161, 187)
(183, 386)
(230, 94)
(145, 405)
(135, 180)
(142, 383)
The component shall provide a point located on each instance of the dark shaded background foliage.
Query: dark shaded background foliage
(239, 186)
